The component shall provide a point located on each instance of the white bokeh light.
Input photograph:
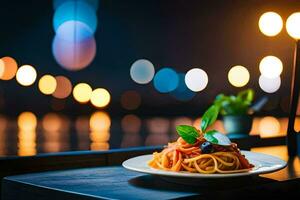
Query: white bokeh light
(270, 23)
(196, 79)
(142, 71)
(270, 67)
(238, 76)
(269, 85)
(26, 75)
(293, 25)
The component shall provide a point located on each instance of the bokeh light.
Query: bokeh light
(131, 124)
(2, 68)
(269, 85)
(27, 121)
(75, 10)
(82, 92)
(8, 68)
(47, 84)
(74, 46)
(158, 125)
(26, 75)
(93, 3)
(238, 76)
(196, 79)
(52, 122)
(182, 92)
(142, 71)
(130, 100)
(269, 126)
(100, 121)
(270, 23)
(270, 67)
(100, 97)
(166, 80)
(58, 104)
(26, 142)
(293, 25)
(63, 88)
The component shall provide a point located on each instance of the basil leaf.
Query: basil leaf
(216, 137)
(188, 133)
(209, 117)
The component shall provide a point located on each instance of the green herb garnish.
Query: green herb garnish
(209, 117)
(188, 133)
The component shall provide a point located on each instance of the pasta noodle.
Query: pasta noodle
(181, 156)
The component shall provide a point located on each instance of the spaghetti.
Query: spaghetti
(182, 156)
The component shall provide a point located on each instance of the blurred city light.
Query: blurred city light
(99, 122)
(269, 126)
(26, 75)
(52, 122)
(270, 23)
(74, 46)
(131, 124)
(142, 71)
(27, 121)
(270, 67)
(130, 100)
(100, 97)
(47, 84)
(27, 143)
(8, 68)
(166, 80)
(77, 11)
(182, 92)
(196, 79)
(93, 3)
(2, 68)
(63, 88)
(158, 125)
(293, 25)
(82, 92)
(238, 76)
(269, 85)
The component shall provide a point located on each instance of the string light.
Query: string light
(238, 76)
(47, 84)
(26, 75)
(270, 23)
(82, 92)
(100, 97)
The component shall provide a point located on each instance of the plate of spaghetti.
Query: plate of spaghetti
(198, 153)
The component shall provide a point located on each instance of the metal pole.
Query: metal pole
(295, 85)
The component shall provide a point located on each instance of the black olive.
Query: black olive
(206, 147)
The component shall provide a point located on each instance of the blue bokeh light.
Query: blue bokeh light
(93, 3)
(142, 71)
(75, 10)
(74, 31)
(74, 46)
(166, 80)
(182, 92)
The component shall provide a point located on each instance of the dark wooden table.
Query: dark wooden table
(115, 182)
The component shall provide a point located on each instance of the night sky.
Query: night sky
(213, 35)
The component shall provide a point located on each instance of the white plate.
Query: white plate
(263, 164)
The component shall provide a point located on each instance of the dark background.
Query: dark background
(212, 34)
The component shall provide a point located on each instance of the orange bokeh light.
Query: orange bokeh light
(10, 68)
(63, 88)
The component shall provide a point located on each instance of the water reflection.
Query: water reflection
(99, 131)
(54, 132)
(27, 123)
(131, 127)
